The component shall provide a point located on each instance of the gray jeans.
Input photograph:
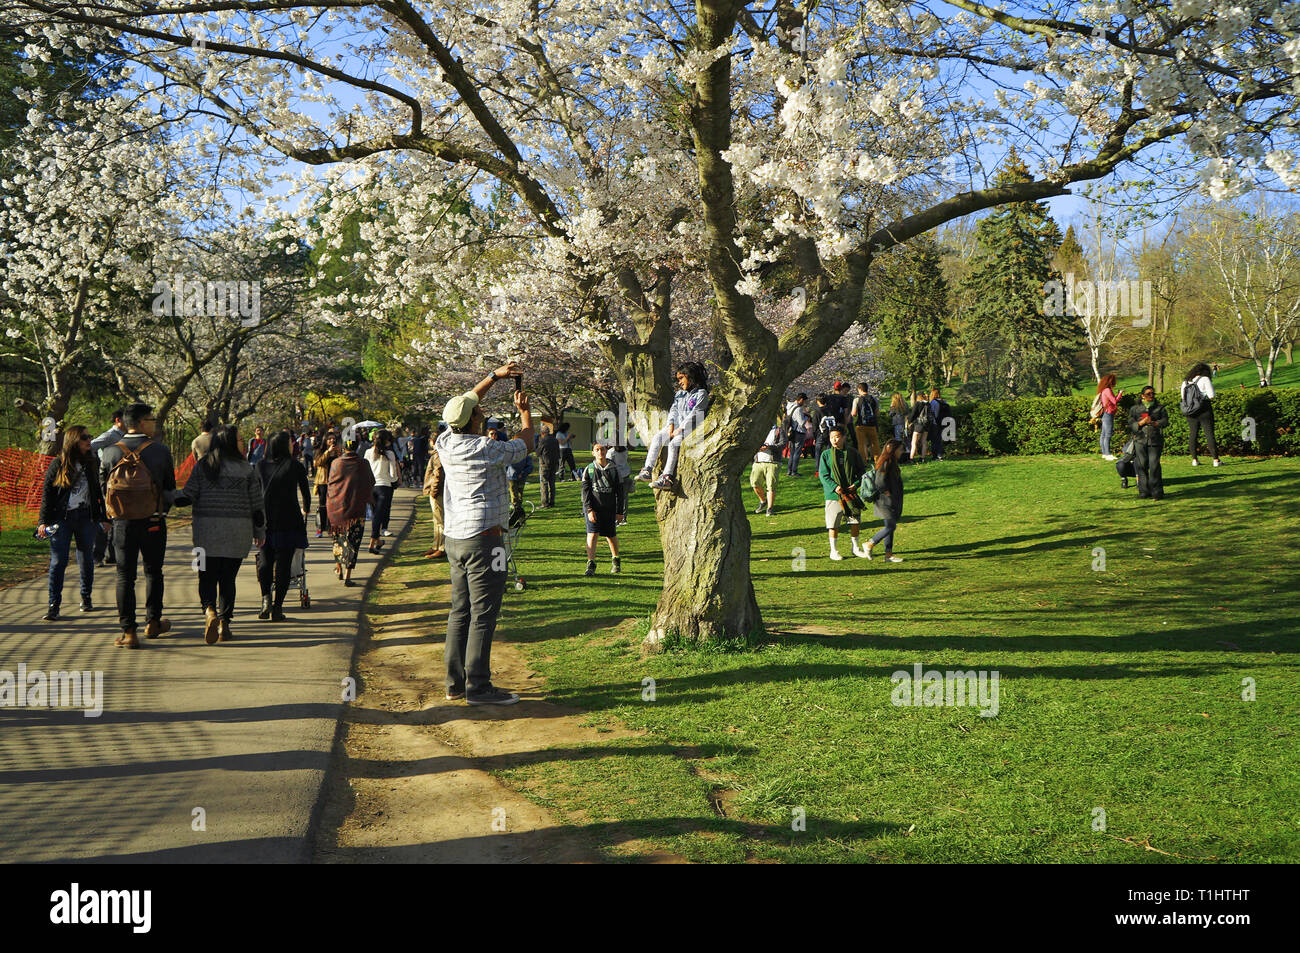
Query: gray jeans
(478, 581)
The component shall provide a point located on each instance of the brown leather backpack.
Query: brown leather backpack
(131, 493)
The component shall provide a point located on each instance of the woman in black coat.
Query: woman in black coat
(72, 506)
(889, 504)
(283, 479)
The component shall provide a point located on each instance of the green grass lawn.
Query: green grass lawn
(1228, 378)
(21, 556)
(1120, 690)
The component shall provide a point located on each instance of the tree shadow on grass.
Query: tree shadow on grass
(717, 686)
(611, 834)
(1262, 486)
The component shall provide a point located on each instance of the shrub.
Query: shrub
(1032, 425)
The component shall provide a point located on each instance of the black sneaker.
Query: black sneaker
(453, 694)
(769, 511)
(53, 613)
(617, 567)
(591, 570)
(86, 604)
(493, 696)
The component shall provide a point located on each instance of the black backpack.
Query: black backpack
(944, 411)
(1193, 401)
(869, 404)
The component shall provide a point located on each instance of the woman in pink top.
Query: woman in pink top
(1109, 404)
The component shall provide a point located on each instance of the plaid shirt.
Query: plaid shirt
(476, 496)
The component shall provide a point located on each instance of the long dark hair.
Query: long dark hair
(224, 446)
(887, 455)
(1198, 370)
(280, 447)
(382, 444)
(71, 457)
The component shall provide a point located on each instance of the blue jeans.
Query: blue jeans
(1107, 428)
(76, 524)
(795, 445)
(886, 533)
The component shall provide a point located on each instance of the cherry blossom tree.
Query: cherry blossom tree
(646, 142)
(87, 210)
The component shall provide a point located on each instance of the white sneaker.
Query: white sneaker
(835, 554)
(385, 533)
(866, 550)
(1108, 456)
(894, 559)
(862, 553)
(1196, 463)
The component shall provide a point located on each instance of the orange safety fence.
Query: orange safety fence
(22, 474)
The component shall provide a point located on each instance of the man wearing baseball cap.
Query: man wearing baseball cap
(476, 506)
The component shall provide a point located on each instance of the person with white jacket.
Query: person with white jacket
(1200, 402)
(383, 464)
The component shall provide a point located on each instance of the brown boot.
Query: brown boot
(156, 627)
(127, 639)
(225, 631)
(211, 622)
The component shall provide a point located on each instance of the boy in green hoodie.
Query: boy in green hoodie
(840, 468)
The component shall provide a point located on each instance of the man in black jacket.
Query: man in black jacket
(144, 538)
(548, 452)
(1147, 420)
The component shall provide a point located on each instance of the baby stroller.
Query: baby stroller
(1124, 466)
(298, 577)
(519, 517)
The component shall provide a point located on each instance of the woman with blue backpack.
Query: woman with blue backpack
(1197, 406)
(885, 492)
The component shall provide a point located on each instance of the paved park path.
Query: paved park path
(242, 729)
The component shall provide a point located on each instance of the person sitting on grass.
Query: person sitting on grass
(604, 501)
(690, 405)
(840, 468)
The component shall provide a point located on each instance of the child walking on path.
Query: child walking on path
(604, 503)
(689, 407)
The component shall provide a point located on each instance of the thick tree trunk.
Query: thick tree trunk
(704, 527)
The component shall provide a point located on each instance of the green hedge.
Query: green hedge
(1060, 424)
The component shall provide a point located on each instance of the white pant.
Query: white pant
(657, 445)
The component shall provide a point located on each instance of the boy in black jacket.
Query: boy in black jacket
(604, 503)
(1147, 420)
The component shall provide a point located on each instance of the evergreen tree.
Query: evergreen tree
(909, 298)
(1018, 348)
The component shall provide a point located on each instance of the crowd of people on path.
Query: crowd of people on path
(112, 495)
